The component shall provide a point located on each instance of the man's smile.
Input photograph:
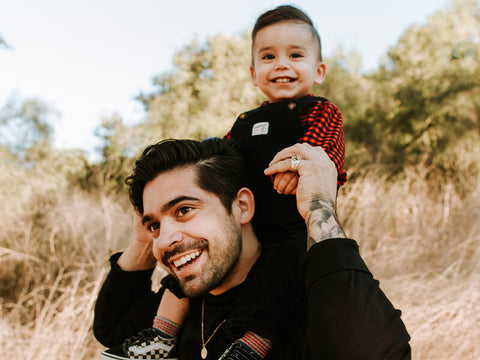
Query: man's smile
(185, 259)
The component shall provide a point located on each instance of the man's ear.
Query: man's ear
(321, 72)
(245, 203)
(253, 74)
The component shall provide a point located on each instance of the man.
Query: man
(194, 202)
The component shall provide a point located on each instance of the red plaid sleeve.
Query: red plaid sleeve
(323, 124)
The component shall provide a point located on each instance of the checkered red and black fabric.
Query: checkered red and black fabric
(323, 123)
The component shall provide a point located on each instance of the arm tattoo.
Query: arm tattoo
(322, 223)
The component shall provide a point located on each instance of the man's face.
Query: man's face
(286, 61)
(195, 238)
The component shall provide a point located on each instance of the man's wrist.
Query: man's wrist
(322, 223)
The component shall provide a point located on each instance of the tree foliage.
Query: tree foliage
(25, 129)
(428, 92)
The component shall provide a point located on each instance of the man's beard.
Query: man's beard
(220, 265)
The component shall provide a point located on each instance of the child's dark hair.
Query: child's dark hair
(286, 13)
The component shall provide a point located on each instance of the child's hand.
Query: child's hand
(286, 183)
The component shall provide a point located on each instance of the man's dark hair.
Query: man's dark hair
(221, 169)
(285, 13)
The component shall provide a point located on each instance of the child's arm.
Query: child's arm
(324, 128)
(171, 313)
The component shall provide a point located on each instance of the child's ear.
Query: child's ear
(253, 74)
(321, 72)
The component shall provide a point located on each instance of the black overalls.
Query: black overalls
(260, 134)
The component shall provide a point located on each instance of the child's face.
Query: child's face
(286, 61)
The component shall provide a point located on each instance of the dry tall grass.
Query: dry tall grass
(420, 240)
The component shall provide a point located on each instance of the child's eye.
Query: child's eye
(296, 55)
(268, 57)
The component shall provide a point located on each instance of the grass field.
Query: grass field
(421, 240)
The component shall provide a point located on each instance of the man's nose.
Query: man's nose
(169, 234)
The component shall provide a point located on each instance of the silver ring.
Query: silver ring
(294, 162)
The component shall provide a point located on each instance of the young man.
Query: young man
(195, 203)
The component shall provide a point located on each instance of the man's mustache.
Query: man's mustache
(183, 247)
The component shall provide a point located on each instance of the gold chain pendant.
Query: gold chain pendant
(204, 353)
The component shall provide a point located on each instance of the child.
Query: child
(286, 63)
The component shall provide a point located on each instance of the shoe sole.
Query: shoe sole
(107, 356)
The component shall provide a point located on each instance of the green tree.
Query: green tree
(432, 80)
(25, 129)
(117, 158)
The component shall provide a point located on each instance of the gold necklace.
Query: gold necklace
(204, 352)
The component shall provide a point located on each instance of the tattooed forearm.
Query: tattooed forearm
(322, 223)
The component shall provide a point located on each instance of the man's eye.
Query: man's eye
(182, 211)
(153, 227)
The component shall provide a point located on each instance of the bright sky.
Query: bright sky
(89, 58)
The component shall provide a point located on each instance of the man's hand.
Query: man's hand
(316, 191)
(286, 183)
(138, 255)
(142, 235)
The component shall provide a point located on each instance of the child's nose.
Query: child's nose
(282, 63)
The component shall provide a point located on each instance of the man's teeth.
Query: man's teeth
(187, 258)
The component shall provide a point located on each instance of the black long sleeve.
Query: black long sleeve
(349, 317)
(125, 305)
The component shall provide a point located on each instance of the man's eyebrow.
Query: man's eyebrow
(169, 205)
(177, 200)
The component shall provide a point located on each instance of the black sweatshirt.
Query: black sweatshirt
(337, 311)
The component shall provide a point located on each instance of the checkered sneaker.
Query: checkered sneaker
(148, 344)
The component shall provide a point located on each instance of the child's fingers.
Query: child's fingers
(282, 182)
(291, 187)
